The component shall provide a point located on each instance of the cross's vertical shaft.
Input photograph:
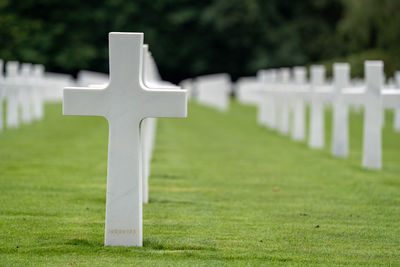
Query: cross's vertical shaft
(340, 142)
(299, 115)
(124, 189)
(372, 141)
(317, 130)
(12, 116)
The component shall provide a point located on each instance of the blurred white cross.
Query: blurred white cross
(12, 92)
(375, 98)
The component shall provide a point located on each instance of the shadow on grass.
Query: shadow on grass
(158, 245)
(82, 242)
(167, 176)
(168, 201)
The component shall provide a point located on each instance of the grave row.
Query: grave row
(24, 89)
(283, 96)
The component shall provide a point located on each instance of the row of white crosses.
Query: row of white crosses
(211, 90)
(131, 96)
(25, 88)
(281, 100)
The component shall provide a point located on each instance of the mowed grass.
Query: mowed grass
(223, 191)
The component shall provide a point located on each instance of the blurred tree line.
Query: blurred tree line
(189, 38)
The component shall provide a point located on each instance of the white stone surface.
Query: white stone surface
(299, 105)
(12, 92)
(267, 108)
(26, 93)
(38, 84)
(340, 127)
(246, 90)
(214, 90)
(372, 134)
(190, 86)
(86, 78)
(124, 102)
(317, 125)
(283, 102)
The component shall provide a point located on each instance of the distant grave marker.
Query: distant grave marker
(299, 104)
(12, 92)
(340, 136)
(26, 92)
(319, 94)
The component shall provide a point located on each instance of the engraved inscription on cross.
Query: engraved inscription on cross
(125, 101)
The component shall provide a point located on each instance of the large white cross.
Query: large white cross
(124, 102)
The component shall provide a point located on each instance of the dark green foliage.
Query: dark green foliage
(189, 38)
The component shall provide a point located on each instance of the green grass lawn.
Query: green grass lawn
(223, 191)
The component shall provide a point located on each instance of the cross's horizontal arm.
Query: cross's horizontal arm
(84, 101)
(354, 95)
(391, 98)
(161, 103)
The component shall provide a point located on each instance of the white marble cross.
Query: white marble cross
(124, 102)
(300, 93)
(340, 126)
(38, 103)
(263, 104)
(320, 94)
(12, 93)
(247, 90)
(283, 107)
(373, 109)
(26, 92)
(267, 107)
(375, 98)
